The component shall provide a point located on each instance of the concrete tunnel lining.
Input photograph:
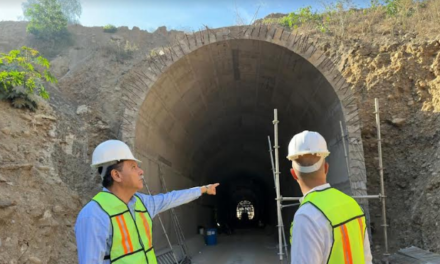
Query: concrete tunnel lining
(206, 115)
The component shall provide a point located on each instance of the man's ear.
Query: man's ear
(116, 175)
(294, 174)
(326, 166)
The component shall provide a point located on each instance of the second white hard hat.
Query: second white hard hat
(307, 142)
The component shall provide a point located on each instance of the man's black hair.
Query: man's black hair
(107, 180)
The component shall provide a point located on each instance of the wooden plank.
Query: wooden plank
(400, 259)
(415, 255)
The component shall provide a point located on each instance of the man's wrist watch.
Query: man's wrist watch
(206, 189)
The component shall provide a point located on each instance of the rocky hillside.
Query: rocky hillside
(37, 208)
(405, 77)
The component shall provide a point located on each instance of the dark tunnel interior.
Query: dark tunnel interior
(208, 117)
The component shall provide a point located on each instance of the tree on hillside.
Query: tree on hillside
(23, 73)
(70, 8)
(46, 20)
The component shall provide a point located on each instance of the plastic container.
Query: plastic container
(211, 236)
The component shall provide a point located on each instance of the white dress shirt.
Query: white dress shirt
(312, 236)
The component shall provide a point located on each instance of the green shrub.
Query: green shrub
(392, 7)
(47, 21)
(299, 18)
(23, 74)
(123, 50)
(403, 8)
(110, 29)
(71, 9)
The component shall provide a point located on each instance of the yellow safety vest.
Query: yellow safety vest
(347, 220)
(132, 237)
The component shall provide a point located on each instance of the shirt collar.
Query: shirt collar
(132, 200)
(317, 188)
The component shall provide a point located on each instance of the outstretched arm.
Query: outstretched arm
(162, 202)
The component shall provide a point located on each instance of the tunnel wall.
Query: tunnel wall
(134, 128)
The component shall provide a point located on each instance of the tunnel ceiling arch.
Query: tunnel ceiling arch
(205, 107)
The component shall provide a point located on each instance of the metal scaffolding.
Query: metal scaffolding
(277, 187)
(282, 206)
(382, 185)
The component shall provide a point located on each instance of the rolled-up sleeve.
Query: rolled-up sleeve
(162, 202)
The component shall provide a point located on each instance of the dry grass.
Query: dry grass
(426, 18)
(342, 20)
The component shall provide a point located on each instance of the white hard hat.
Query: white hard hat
(110, 152)
(307, 142)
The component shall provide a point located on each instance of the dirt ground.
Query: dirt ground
(246, 246)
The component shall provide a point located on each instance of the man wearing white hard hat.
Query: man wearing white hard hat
(116, 226)
(329, 226)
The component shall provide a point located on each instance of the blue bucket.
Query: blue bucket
(211, 237)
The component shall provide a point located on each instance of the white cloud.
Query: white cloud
(11, 10)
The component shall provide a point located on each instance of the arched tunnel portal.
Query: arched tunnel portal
(202, 111)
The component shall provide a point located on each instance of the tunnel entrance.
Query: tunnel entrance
(245, 210)
(244, 201)
(202, 112)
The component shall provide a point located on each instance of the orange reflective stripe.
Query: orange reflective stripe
(118, 219)
(361, 225)
(346, 245)
(147, 228)
(128, 234)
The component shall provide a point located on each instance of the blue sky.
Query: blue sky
(174, 14)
